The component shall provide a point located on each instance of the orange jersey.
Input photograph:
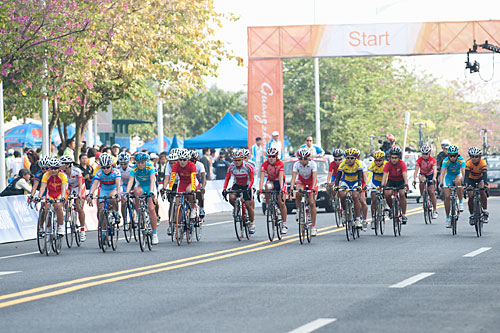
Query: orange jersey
(475, 171)
(54, 184)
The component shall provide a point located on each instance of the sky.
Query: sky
(295, 12)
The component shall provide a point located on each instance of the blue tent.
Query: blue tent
(228, 132)
(174, 143)
(152, 145)
(240, 118)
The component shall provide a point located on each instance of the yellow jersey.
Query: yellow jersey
(376, 172)
(350, 173)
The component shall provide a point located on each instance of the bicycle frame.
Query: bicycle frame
(241, 223)
(305, 223)
(349, 215)
(397, 214)
(273, 215)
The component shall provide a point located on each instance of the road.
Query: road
(424, 281)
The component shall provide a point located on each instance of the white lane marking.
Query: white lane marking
(313, 325)
(411, 280)
(7, 273)
(19, 255)
(216, 223)
(475, 253)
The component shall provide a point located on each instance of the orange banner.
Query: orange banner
(265, 99)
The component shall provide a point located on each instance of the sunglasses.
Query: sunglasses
(123, 163)
(379, 160)
(338, 159)
(273, 156)
(183, 159)
(450, 156)
(425, 154)
(54, 168)
(106, 167)
(394, 157)
(308, 140)
(350, 158)
(45, 169)
(303, 158)
(238, 160)
(475, 156)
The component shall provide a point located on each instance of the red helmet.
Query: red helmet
(272, 151)
(303, 153)
(237, 154)
(390, 137)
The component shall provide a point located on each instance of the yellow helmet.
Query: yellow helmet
(351, 152)
(378, 154)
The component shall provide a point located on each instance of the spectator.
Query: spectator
(26, 161)
(207, 162)
(220, 166)
(162, 167)
(115, 150)
(91, 156)
(20, 185)
(315, 150)
(87, 170)
(70, 148)
(53, 150)
(14, 165)
(389, 142)
(33, 158)
(258, 152)
(276, 143)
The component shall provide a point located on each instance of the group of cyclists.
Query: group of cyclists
(137, 176)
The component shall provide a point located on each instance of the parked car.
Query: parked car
(493, 174)
(322, 199)
(410, 160)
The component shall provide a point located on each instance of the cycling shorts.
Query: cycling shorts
(428, 179)
(448, 180)
(473, 182)
(348, 184)
(246, 194)
(276, 184)
(375, 183)
(395, 183)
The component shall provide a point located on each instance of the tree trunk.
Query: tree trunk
(54, 119)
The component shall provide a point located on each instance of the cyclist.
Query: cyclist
(362, 196)
(395, 175)
(427, 166)
(201, 179)
(143, 175)
(350, 175)
(307, 172)
(338, 157)
(56, 184)
(243, 177)
(246, 157)
(124, 168)
(275, 170)
(44, 164)
(376, 173)
(172, 159)
(452, 173)
(76, 187)
(476, 174)
(107, 180)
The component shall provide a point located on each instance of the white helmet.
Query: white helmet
(172, 156)
(44, 162)
(123, 157)
(66, 159)
(54, 163)
(105, 160)
(445, 143)
(184, 154)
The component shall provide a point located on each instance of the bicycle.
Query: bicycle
(72, 227)
(478, 213)
(397, 215)
(337, 208)
(426, 202)
(273, 215)
(182, 213)
(240, 215)
(351, 231)
(48, 230)
(107, 223)
(40, 232)
(305, 223)
(129, 223)
(379, 216)
(144, 229)
(454, 210)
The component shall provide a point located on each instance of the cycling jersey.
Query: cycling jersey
(125, 176)
(273, 170)
(350, 172)
(475, 170)
(200, 168)
(143, 177)
(107, 182)
(305, 171)
(168, 172)
(187, 176)
(395, 171)
(243, 176)
(426, 165)
(54, 184)
(453, 168)
(377, 172)
(333, 169)
(73, 178)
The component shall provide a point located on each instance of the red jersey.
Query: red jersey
(426, 166)
(186, 175)
(395, 171)
(273, 170)
(333, 168)
(244, 175)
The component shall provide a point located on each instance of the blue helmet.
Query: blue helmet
(139, 157)
(453, 149)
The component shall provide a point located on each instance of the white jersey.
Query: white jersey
(76, 174)
(305, 172)
(168, 173)
(200, 168)
(125, 174)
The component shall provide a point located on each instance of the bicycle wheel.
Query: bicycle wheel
(47, 247)
(127, 227)
(453, 217)
(198, 229)
(336, 212)
(279, 223)
(187, 224)
(149, 236)
(347, 220)
(375, 216)
(40, 232)
(56, 239)
(179, 225)
(425, 205)
(308, 229)
(115, 230)
(395, 216)
(246, 225)
(67, 228)
(141, 232)
(354, 229)
(103, 231)
(302, 223)
(238, 221)
(478, 221)
(270, 221)
(76, 228)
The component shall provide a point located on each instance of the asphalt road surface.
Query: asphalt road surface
(424, 281)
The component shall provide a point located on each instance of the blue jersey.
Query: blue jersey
(107, 181)
(143, 176)
(453, 168)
